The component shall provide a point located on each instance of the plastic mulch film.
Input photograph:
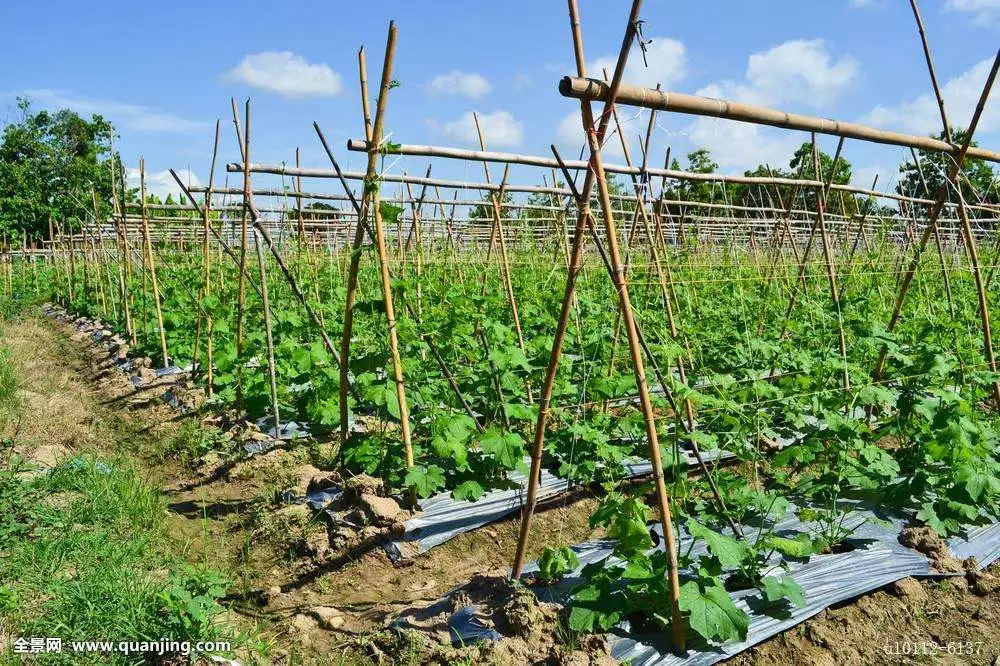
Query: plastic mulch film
(877, 560)
(443, 518)
(981, 542)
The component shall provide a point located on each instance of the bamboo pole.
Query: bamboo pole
(93, 244)
(930, 68)
(207, 273)
(151, 264)
(244, 145)
(970, 240)
(689, 423)
(499, 231)
(596, 90)
(831, 274)
(384, 269)
(269, 337)
(298, 200)
(123, 267)
(370, 203)
(937, 237)
(621, 285)
(71, 251)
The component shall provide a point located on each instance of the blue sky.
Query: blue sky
(164, 77)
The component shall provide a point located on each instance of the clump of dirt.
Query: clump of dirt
(364, 515)
(363, 484)
(982, 582)
(925, 540)
(489, 620)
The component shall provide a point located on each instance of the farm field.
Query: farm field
(452, 404)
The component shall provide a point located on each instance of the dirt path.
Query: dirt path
(232, 521)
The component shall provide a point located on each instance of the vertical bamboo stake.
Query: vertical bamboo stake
(298, 200)
(977, 274)
(100, 284)
(365, 102)
(71, 250)
(498, 229)
(273, 383)
(118, 219)
(243, 142)
(970, 240)
(207, 265)
(367, 202)
(390, 312)
(415, 206)
(151, 263)
(930, 68)
(937, 237)
(649, 416)
(803, 265)
(594, 136)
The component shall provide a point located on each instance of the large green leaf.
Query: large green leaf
(775, 589)
(799, 547)
(425, 480)
(712, 612)
(507, 448)
(468, 491)
(728, 550)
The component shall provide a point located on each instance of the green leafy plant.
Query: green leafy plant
(555, 563)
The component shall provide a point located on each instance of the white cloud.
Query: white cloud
(737, 146)
(864, 176)
(667, 64)
(985, 12)
(123, 115)
(287, 74)
(500, 129)
(466, 84)
(522, 82)
(921, 115)
(570, 138)
(161, 183)
(797, 71)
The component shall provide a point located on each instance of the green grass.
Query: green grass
(10, 397)
(82, 558)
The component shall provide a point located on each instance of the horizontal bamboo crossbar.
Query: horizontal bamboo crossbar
(577, 165)
(662, 100)
(360, 145)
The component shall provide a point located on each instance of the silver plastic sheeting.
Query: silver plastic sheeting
(826, 579)
(443, 518)
(981, 542)
(878, 560)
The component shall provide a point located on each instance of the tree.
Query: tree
(803, 165)
(979, 180)
(49, 165)
(699, 161)
(485, 211)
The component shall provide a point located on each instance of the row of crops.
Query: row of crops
(759, 341)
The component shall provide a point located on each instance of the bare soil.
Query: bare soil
(911, 621)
